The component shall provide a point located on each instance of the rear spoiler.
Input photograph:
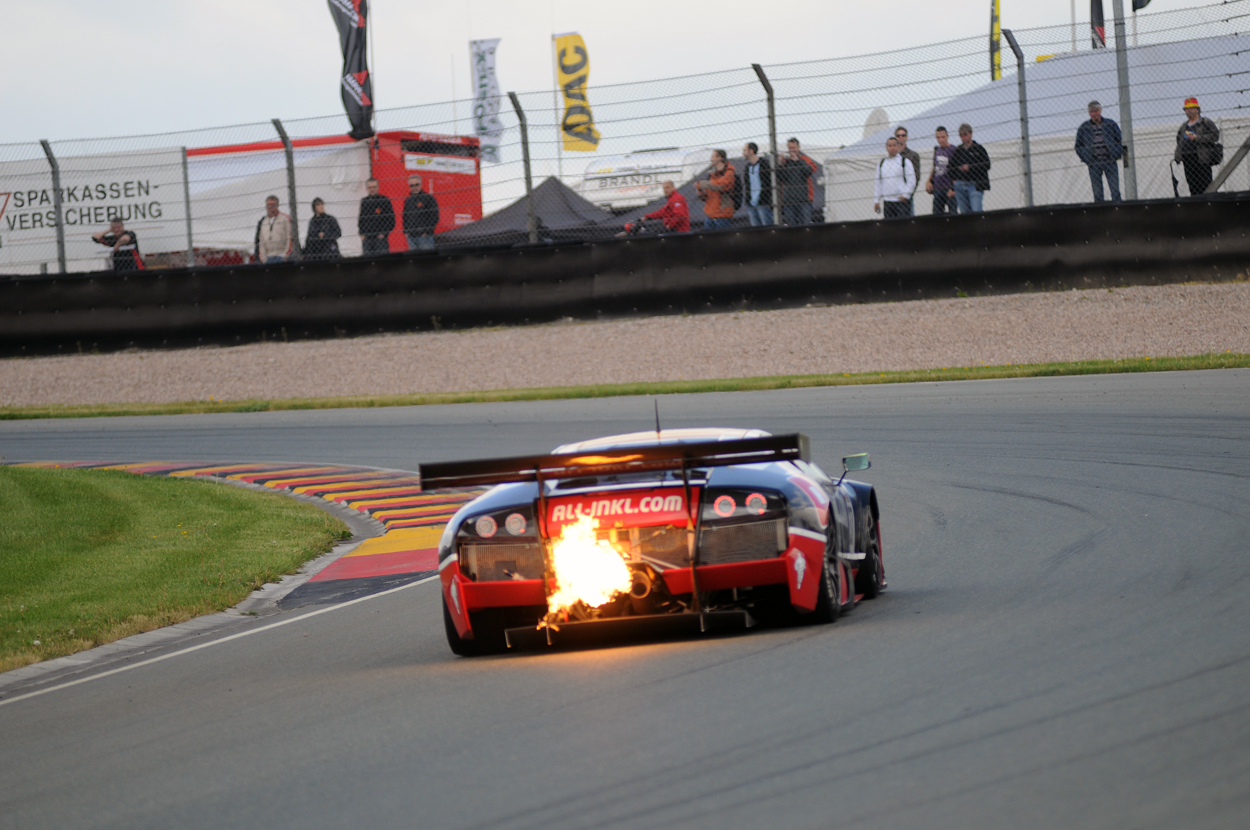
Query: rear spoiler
(614, 461)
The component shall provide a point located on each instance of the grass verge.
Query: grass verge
(90, 556)
(1225, 360)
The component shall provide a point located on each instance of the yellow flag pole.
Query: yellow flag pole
(996, 55)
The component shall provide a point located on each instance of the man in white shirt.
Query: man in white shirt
(275, 239)
(895, 183)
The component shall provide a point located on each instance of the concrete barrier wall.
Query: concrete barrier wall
(938, 256)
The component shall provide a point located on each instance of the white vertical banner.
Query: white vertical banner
(486, 123)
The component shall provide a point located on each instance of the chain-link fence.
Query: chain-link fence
(205, 191)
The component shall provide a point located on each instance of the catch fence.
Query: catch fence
(204, 190)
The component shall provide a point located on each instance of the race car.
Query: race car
(652, 531)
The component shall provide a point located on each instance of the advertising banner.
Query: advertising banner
(486, 124)
(577, 128)
(349, 17)
(144, 190)
(635, 508)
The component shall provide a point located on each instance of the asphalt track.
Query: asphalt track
(1065, 642)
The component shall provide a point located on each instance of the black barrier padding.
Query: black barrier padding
(751, 268)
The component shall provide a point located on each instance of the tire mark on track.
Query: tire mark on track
(679, 774)
(1007, 491)
(806, 766)
(1084, 756)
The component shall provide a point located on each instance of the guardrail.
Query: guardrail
(752, 268)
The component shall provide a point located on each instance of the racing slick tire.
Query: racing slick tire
(829, 593)
(488, 638)
(870, 577)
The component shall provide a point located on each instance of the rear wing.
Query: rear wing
(614, 461)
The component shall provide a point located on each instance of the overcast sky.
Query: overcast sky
(82, 68)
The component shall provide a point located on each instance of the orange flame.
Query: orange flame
(586, 569)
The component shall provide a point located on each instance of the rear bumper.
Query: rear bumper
(481, 595)
(798, 568)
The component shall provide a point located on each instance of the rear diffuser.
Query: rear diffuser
(627, 628)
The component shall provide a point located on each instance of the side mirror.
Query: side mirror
(855, 463)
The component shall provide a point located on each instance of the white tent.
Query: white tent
(228, 191)
(1059, 90)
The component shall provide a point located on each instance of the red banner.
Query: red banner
(634, 508)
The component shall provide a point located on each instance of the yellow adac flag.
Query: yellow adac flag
(577, 128)
(996, 38)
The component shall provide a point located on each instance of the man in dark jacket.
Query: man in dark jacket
(970, 172)
(900, 135)
(420, 216)
(757, 186)
(1098, 144)
(377, 220)
(1198, 147)
(322, 239)
(794, 175)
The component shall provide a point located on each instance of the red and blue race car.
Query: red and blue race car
(652, 531)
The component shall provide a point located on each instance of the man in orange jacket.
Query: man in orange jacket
(716, 192)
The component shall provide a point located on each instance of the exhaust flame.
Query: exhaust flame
(586, 569)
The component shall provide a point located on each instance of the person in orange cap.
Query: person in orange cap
(1198, 147)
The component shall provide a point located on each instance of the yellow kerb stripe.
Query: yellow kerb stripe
(415, 538)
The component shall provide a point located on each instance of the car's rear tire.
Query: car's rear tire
(870, 577)
(459, 646)
(488, 637)
(829, 593)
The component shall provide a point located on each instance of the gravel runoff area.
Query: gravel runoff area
(1173, 320)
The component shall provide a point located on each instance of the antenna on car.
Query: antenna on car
(656, 401)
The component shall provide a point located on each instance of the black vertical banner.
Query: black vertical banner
(1138, 5)
(349, 17)
(1097, 25)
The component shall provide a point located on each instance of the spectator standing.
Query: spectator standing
(275, 235)
(125, 245)
(900, 133)
(757, 186)
(420, 216)
(794, 175)
(969, 172)
(939, 183)
(716, 192)
(322, 239)
(675, 214)
(1099, 146)
(1198, 147)
(895, 182)
(376, 221)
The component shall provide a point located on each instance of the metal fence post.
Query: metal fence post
(1024, 118)
(186, 204)
(525, 157)
(1126, 104)
(772, 140)
(290, 185)
(56, 203)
